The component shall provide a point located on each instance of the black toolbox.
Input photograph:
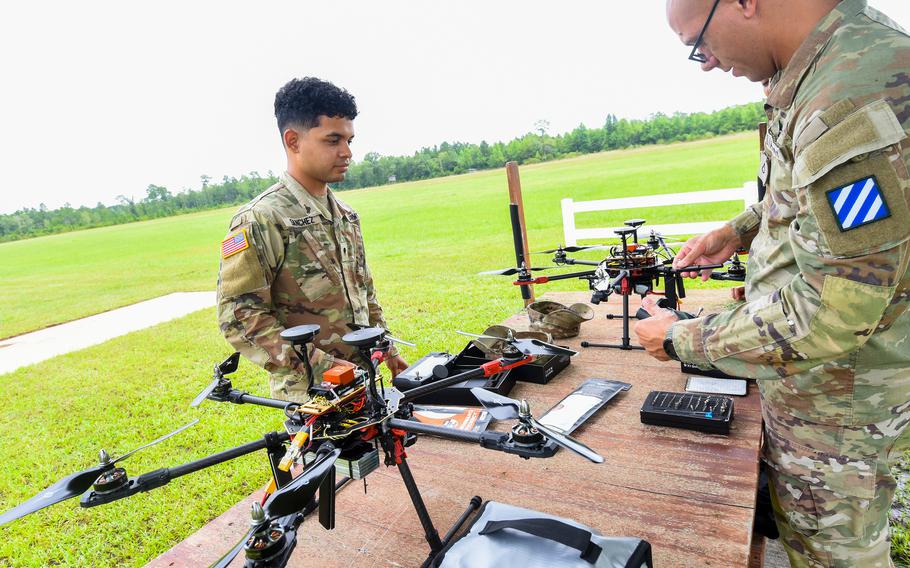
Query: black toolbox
(458, 394)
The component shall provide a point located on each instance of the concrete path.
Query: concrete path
(39, 345)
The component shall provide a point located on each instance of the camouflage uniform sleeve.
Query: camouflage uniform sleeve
(850, 243)
(246, 315)
(746, 223)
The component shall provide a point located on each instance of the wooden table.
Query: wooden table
(691, 495)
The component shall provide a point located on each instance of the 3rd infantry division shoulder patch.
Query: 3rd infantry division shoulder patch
(234, 243)
(858, 203)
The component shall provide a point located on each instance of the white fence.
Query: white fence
(748, 194)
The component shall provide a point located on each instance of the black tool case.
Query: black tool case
(542, 370)
(702, 412)
(458, 394)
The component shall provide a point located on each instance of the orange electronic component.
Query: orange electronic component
(339, 375)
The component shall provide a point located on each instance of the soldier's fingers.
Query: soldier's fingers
(649, 305)
(689, 257)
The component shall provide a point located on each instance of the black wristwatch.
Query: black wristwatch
(668, 345)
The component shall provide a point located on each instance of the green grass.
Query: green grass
(426, 241)
(444, 229)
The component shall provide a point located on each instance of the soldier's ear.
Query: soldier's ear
(748, 7)
(291, 139)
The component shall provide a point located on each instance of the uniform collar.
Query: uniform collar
(787, 81)
(310, 203)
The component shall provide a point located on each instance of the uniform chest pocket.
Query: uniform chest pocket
(311, 265)
(351, 243)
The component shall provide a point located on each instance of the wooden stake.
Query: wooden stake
(515, 199)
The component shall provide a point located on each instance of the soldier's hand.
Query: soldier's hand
(711, 248)
(396, 364)
(738, 293)
(652, 331)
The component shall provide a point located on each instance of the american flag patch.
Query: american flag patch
(234, 243)
(858, 203)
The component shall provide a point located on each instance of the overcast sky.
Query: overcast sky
(104, 98)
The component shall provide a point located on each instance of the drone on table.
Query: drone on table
(629, 268)
(350, 418)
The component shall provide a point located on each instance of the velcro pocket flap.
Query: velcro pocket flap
(870, 128)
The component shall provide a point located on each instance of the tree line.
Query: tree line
(442, 160)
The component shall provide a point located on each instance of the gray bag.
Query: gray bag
(502, 536)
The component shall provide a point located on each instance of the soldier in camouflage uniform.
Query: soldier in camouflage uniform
(294, 254)
(824, 326)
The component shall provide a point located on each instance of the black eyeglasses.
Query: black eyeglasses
(696, 55)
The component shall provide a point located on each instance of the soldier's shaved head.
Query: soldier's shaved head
(751, 38)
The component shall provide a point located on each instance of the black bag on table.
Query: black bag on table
(503, 536)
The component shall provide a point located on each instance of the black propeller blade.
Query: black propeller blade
(500, 407)
(69, 486)
(573, 249)
(205, 393)
(75, 484)
(505, 408)
(510, 271)
(533, 347)
(225, 560)
(291, 498)
(226, 367)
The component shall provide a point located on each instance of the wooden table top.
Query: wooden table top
(690, 494)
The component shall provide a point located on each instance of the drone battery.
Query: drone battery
(339, 375)
(356, 461)
(702, 412)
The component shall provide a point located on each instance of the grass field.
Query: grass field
(426, 241)
(444, 229)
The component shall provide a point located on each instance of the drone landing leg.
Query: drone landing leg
(429, 530)
(626, 340)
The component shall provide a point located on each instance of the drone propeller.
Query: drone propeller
(504, 408)
(206, 392)
(400, 341)
(510, 271)
(572, 249)
(528, 346)
(290, 499)
(76, 483)
(226, 367)
(226, 560)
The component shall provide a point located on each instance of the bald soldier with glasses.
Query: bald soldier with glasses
(824, 328)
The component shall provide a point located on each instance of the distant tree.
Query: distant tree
(375, 169)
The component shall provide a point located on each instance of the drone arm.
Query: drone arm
(160, 477)
(486, 370)
(499, 441)
(241, 397)
(581, 262)
(545, 279)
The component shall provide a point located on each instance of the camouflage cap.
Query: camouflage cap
(558, 320)
(494, 348)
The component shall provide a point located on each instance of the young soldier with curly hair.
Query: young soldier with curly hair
(294, 254)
